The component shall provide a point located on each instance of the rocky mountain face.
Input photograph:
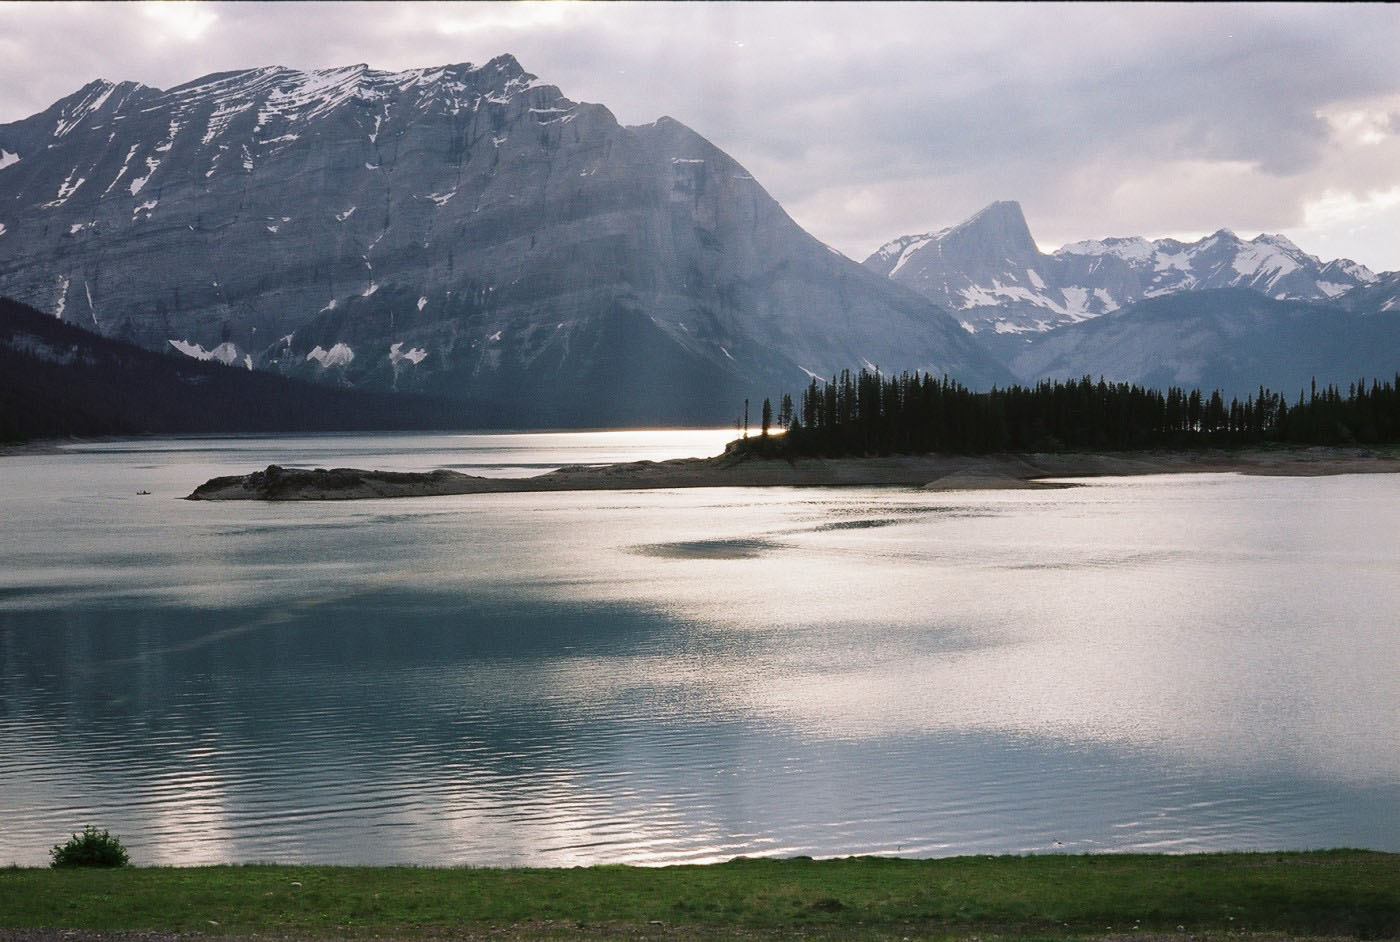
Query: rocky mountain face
(990, 274)
(462, 231)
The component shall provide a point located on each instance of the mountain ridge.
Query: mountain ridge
(1232, 339)
(1008, 285)
(456, 230)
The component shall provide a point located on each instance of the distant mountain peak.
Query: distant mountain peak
(1009, 210)
(1282, 241)
(989, 269)
(505, 62)
(1002, 221)
(998, 230)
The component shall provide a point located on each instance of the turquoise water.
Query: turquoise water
(1173, 663)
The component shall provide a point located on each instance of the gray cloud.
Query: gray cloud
(865, 120)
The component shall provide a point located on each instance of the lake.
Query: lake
(1167, 663)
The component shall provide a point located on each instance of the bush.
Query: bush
(92, 848)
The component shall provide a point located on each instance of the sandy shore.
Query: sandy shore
(931, 472)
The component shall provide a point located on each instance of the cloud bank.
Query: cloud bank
(867, 121)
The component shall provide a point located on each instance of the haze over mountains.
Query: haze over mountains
(470, 233)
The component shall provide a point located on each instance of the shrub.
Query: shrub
(92, 848)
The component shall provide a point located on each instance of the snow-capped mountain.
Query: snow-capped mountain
(1380, 296)
(463, 230)
(990, 274)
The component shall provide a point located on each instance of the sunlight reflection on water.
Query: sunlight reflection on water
(1183, 663)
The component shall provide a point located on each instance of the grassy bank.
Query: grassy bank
(1332, 893)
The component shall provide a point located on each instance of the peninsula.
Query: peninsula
(738, 468)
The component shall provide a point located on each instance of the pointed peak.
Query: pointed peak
(1281, 241)
(1003, 214)
(1001, 209)
(1352, 269)
(95, 88)
(1002, 223)
(505, 63)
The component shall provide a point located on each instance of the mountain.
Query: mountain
(57, 379)
(1381, 295)
(990, 274)
(462, 231)
(1233, 339)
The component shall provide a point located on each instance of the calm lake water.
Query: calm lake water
(1182, 663)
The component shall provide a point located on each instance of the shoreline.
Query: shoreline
(1228, 896)
(929, 472)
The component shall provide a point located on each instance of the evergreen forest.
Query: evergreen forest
(867, 413)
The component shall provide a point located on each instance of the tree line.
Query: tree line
(868, 413)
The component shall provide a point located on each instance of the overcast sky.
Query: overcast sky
(868, 121)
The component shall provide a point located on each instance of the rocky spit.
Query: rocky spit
(931, 472)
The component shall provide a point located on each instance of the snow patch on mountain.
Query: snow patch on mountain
(126, 165)
(1076, 301)
(140, 182)
(220, 119)
(1171, 261)
(1256, 260)
(62, 302)
(339, 354)
(414, 355)
(169, 142)
(65, 190)
(908, 253)
(1129, 250)
(7, 159)
(226, 352)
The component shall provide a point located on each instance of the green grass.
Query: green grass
(1331, 893)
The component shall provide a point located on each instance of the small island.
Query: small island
(744, 466)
